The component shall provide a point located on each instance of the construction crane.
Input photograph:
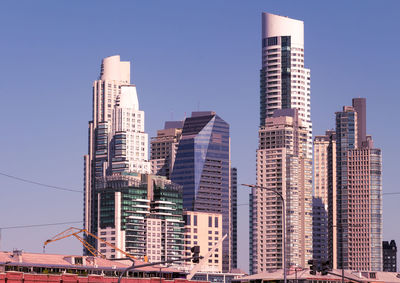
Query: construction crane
(72, 231)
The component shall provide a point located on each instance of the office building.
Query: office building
(285, 82)
(117, 140)
(358, 192)
(389, 252)
(202, 167)
(164, 147)
(141, 214)
(282, 166)
(204, 229)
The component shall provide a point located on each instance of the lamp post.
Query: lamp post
(284, 223)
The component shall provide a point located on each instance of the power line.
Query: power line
(384, 194)
(39, 225)
(40, 184)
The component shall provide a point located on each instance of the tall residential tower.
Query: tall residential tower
(284, 155)
(358, 192)
(117, 141)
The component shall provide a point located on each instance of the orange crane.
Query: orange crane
(72, 231)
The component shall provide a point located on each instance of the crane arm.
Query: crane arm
(110, 245)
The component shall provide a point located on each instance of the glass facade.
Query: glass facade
(202, 168)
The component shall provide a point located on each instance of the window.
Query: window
(209, 221)
(195, 220)
(216, 222)
(187, 219)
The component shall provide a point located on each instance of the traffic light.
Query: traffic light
(195, 254)
(325, 267)
(313, 266)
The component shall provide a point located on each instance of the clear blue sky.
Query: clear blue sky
(186, 55)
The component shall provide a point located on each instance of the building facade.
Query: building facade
(204, 229)
(234, 236)
(320, 230)
(202, 167)
(285, 82)
(358, 192)
(285, 150)
(141, 214)
(282, 166)
(164, 148)
(117, 140)
(322, 172)
(389, 252)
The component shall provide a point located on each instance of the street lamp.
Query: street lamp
(284, 223)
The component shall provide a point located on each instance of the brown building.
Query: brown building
(164, 147)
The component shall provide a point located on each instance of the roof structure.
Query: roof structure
(304, 274)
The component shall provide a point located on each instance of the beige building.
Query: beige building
(204, 229)
(164, 147)
(283, 166)
(324, 181)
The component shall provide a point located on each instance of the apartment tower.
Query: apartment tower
(282, 166)
(285, 82)
(117, 140)
(322, 172)
(358, 192)
(284, 155)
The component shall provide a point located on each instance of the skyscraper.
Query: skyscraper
(117, 141)
(285, 82)
(202, 167)
(284, 155)
(282, 166)
(322, 172)
(358, 192)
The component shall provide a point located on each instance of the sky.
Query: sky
(186, 56)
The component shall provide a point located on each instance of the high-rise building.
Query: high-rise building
(358, 192)
(141, 214)
(285, 82)
(389, 252)
(284, 160)
(234, 242)
(202, 167)
(164, 147)
(282, 166)
(117, 140)
(322, 171)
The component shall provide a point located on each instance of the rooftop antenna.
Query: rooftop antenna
(198, 105)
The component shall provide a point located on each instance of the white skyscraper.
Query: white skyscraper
(285, 82)
(284, 155)
(117, 141)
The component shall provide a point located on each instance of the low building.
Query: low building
(58, 265)
(301, 275)
(389, 252)
(204, 229)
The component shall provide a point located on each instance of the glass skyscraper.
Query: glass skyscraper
(202, 167)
